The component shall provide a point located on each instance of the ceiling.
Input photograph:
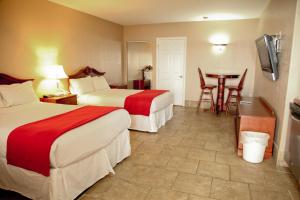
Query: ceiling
(133, 12)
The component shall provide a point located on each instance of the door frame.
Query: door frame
(184, 62)
(126, 68)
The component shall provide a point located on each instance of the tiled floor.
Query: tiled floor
(192, 158)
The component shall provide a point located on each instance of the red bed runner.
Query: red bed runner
(29, 146)
(140, 103)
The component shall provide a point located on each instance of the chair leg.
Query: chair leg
(228, 102)
(238, 101)
(212, 107)
(200, 100)
(238, 96)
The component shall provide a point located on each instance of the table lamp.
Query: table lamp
(57, 72)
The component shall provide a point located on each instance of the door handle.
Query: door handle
(180, 76)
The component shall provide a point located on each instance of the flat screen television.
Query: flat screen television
(268, 56)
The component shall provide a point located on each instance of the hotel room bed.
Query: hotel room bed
(161, 109)
(97, 146)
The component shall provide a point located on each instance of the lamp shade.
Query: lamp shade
(56, 72)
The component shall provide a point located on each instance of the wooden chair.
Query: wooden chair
(234, 93)
(206, 90)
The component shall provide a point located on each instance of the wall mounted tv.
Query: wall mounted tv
(268, 56)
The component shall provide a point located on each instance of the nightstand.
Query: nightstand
(70, 99)
(116, 86)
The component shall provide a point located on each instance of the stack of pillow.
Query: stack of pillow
(88, 84)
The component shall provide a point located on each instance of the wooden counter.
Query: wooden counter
(255, 115)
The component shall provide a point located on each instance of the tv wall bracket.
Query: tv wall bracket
(277, 43)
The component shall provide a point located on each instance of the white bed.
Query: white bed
(78, 158)
(97, 146)
(99, 93)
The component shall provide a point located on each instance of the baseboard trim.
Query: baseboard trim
(194, 104)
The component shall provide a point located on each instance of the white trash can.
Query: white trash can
(254, 146)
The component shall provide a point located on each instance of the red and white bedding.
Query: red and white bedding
(98, 145)
(29, 145)
(161, 109)
(140, 103)
(78, 144)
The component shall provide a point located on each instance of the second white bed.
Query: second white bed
(160, 112)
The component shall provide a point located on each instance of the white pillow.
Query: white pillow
(17, 94)
(81, 85)
(100, 83)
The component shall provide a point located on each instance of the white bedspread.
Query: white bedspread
(74, 145)
(116, 97)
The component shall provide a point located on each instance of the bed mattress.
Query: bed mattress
(74, 145)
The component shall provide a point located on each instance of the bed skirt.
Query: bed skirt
(152, 122)
(67, 182)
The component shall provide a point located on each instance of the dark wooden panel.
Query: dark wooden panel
(70, 99)
(87, 71)
(257, 107)
(7, 79)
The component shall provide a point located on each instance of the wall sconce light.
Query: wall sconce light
(219, 48)
(219, 41)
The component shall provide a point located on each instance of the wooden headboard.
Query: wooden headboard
(87, 71)
(7, 80)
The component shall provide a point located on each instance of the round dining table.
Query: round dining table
(221, 88)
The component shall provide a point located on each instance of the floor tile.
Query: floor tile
(228, 190)
(280, 181)
(150, 159)
(193, 184)
(201, 154)
(183, 165)
(261, 193)
(149, 147)
(149, 176)
(148, 137)
(187, 133)
(175, 151)
(230, 159)
(247, 175)
(166, 194)
(135, 144)
(134, 134)
(192, 143)
(194, 197)
(220, 147)
(122, 190)
(170, 140)
(213, 169)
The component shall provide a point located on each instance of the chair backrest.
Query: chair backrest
(202, 81)
(241, 83)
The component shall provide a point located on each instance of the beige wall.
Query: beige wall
(278, 17)
(36, 33)
(239, 53)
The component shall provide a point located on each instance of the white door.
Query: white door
(170, 64)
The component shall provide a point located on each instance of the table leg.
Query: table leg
(220, 95)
